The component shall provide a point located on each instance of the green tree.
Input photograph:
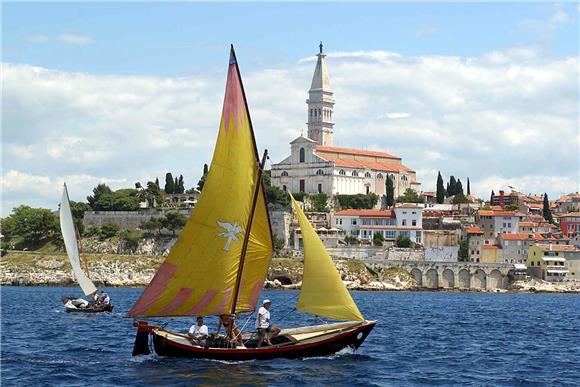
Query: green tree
(452, 190)
(403, 241)
(131, 239)
(157, 183)
(180, 186)
(318, 202)
(440, 189)
(125, 199)
(153, 192)
(468, 187)
(152, 225)
(201, 181)
(351, 240)
(278, 244)
(390, 191)
(460, 198)
(98, 192)
(358, 201)
(378, 239)
(511, 207)
(546, 211)
(459, 187)
(174, 221)
(169, 183)
(108, 230)
(410, 196)
(491, 197)
(32, 224)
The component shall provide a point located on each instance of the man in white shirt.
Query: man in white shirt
(198, 332)
(265, 330)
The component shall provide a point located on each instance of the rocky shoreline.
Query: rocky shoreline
(117, 270)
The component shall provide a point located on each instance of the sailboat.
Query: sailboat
(71, 239)
(219, 262)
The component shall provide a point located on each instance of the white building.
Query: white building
(315, 166)
(406, 220)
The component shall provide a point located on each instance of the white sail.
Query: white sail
(67, 228)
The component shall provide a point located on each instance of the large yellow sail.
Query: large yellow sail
(199, 276)
(323, 293)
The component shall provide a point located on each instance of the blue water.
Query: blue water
(423, 338)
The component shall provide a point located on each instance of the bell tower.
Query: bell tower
(320, 103)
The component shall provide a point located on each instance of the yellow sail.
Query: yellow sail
(199, 276)
(323, 293)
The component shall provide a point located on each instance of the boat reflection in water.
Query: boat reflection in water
(219, 263)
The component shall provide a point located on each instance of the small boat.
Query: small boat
(220, 260)
(71, 238)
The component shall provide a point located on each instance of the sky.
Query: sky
(124, 92)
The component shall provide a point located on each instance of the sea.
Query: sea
(422, 339)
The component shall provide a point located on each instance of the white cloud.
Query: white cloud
(506, 117)
(74, 39)
(37, 39)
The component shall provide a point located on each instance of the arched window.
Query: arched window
(302, 155)
(354, 173)
(368, 175)
(342, 172)
(380, 176)
(320, 172)
(284, 174)
(310, 112)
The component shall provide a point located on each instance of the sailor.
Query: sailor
(104, 299)
(96, 297)
(232, 331)
(198, 332)
(265, 330)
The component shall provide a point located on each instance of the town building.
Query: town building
(567, 203)
(495, 222)
(475, 243)
(404, 219)
(570, 224)
(548, 261)
(316, 166)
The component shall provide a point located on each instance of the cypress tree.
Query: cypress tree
(181, 188)
(458, 187)
(169, 183)
(491, 197)
(452, 186)
(468, 187)
(440, 189)
(176, 185)
(447, 190)
(157, 182)
(390, 189)
(547, 212)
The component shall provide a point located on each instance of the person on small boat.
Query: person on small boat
(198, 332)
(232, 331)
(265, 330)
(103, 299)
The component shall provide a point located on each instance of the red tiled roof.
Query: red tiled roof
(366, 213)
(408, 205)
(496, 213)
(490, 247)
(356, 152)
(428, 193)
(526, 224)
(521, 236)
(552, 247)
(474, 230)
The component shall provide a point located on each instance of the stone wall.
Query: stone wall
(126, 220)
(442, 254)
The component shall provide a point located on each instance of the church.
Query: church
(315, 166)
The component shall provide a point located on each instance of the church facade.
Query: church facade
(315, 166)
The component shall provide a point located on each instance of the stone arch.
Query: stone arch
(418, 275)
(463, 279)
(495, 279)
(448, 279)
(432, 279)
(479, 279)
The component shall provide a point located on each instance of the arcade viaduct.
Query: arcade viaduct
(453, 275)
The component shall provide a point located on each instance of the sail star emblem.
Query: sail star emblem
(231, 232)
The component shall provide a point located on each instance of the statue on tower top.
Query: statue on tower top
(320, 46)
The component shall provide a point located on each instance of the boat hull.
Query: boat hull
(326, 343)
(106, 308)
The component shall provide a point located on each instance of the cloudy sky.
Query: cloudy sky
(120, 93)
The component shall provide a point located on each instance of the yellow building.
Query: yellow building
(491, 254)
(548, 261)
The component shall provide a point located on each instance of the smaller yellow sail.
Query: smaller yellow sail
(323, 293)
